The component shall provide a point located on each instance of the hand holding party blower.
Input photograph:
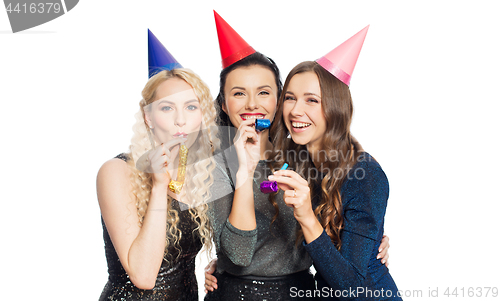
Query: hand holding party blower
(271, 186)
(176, 185)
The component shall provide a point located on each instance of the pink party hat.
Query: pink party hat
(341, 61)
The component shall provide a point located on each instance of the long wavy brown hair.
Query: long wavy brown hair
(340, 150)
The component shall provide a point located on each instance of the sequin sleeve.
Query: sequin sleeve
(364, 197)
(237, 245)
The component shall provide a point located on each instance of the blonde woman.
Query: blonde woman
(150, 241)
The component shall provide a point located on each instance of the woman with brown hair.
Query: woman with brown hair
(338, 192)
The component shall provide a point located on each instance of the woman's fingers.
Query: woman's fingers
(291, 182)
(245, 134)
(292, 197)
(385, 260)
(157, 160)
(384, 244)
(210, 280)
(156, 153)
(170, 145)
(249, 123)
(166, 153)
(284, 187)
(290, 174)
(384, 250)
(298, 193)
(165, 149)
(246, 126)
(292, 193)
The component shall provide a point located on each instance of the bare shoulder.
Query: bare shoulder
(113, 169)
(113, 178)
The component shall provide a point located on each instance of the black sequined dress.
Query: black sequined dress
(176, 278)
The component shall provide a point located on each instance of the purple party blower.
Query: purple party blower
(271, 186)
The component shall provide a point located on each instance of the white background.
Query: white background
(426, 103)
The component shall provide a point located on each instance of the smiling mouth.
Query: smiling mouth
(246, 117)
(300, 125)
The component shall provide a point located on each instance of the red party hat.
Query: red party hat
(232, 46)
(341, 61)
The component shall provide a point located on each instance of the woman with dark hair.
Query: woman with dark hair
(255, 59)
(255, 238)
(341, 215)
(249, 234)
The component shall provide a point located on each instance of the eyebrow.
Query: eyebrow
(167, 101)
(172, 103)
(305, 94)
(258, 88)
(309, 94)
(241, 88)
(190, 101)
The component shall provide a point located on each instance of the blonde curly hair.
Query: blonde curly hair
(200, 159)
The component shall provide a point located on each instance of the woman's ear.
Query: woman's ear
(224, 108)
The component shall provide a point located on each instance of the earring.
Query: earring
(289, 136)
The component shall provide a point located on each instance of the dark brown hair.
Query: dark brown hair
(255, 59)
(340, 150)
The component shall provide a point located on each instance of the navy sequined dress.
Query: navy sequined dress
(354, 272)
(176, 278)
